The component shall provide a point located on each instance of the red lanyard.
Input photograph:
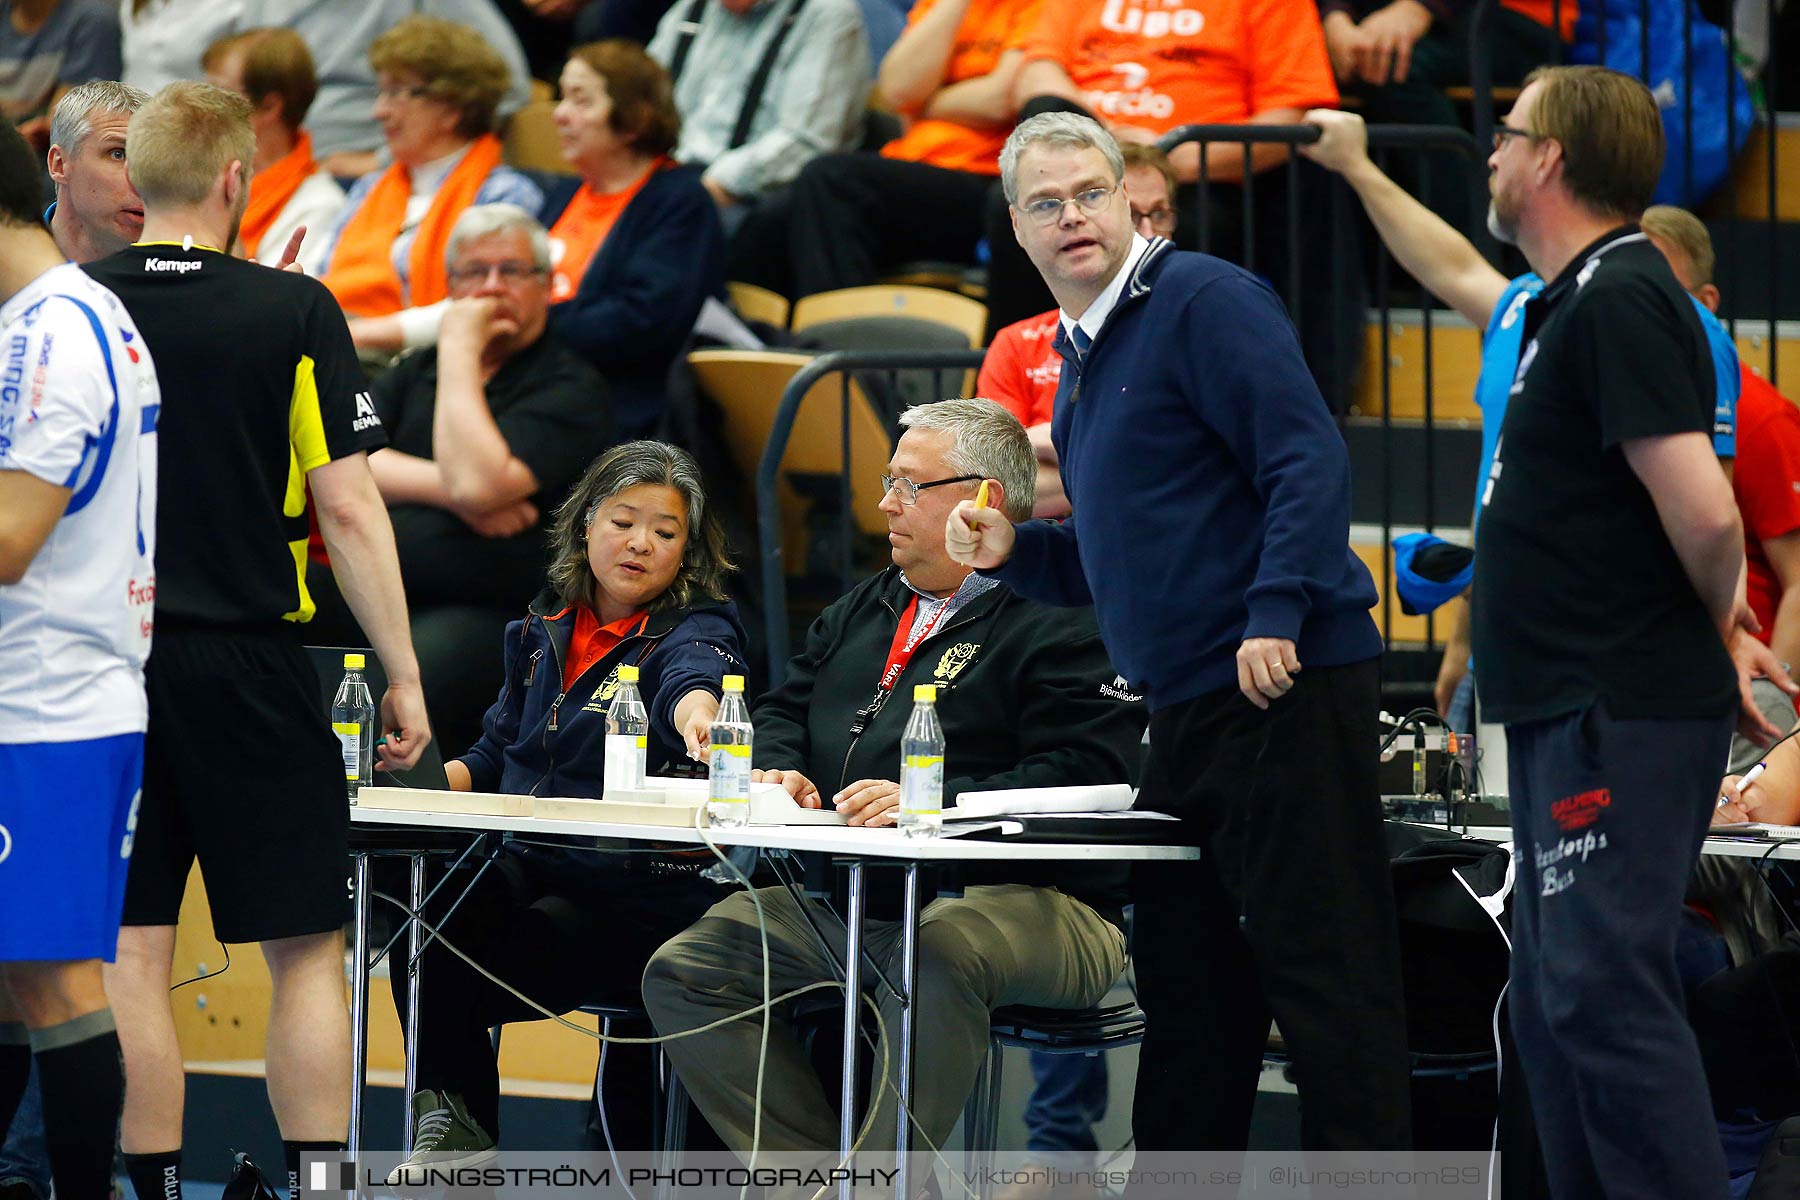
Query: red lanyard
(901, 652)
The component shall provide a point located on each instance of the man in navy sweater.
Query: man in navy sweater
(1211, 494)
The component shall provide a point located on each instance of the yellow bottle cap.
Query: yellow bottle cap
(926, 692)
(734, 683)
(628, 674)
(353, 662)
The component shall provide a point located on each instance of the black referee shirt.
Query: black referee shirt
(260, 384)
(1579, 595)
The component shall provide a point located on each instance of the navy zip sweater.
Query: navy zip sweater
(1210, 485)
(542, 740)
(637, 300)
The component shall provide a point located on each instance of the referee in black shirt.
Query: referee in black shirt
(262, 399)
(1611, 582)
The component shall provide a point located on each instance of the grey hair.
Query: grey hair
(990, 443)
(485, 220)
(1066, 130)
(74, 117)
(705, 564)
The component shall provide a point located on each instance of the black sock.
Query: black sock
(294, 1150)
(155, 1176)
(82, 1081)
(15, 1070)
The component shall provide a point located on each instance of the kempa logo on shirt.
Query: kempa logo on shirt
(180, 266)
(365, 413)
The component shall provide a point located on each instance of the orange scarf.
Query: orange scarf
(271, 190)
(362, 275)
(583, 226)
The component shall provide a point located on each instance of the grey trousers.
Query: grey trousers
(999, 945)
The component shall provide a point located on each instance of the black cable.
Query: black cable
(208, 974)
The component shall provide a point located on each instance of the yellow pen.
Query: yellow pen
(980, 502)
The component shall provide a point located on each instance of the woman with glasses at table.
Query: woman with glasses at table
(636, 240)
(437, 87)
(637, 577)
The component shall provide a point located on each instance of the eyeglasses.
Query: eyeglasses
(1050, 208)
(396, 91)
(509, 272)
(1161, 219)
(909, 491)
(1502, 132)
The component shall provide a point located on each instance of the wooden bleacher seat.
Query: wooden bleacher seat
(747, 386)
(759, 304)
(530, 142)
(932, 305)
(1455, 365)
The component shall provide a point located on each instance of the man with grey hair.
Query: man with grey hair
(1027, 698)
(486, 431)
(1212, 491)
(96, 212)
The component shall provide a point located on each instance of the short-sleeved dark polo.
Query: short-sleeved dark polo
(1579, 596)
(552, 410)
(260, 385)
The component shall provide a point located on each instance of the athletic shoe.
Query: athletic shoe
(444, 1135)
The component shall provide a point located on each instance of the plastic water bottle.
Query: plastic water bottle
(627, 735)
(922, 768)
(728, 759)
(353, 720)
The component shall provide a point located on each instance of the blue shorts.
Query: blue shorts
(67, 812)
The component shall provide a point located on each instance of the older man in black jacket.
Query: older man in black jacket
(1027, 699)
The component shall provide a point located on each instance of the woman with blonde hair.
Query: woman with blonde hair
(438, 86)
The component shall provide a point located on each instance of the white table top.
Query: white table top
(1785, 851)
(831, 839)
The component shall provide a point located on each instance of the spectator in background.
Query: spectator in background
(1145, 71)
(347, 130)
(1397, 58)
(763, 88)
(486, 431)
(162, 40)
(289, 192)
(848, 217)
(636, 246)
(1022, 367)
(46, 48)
(96, 211)
(1765, 478)
(439, 83)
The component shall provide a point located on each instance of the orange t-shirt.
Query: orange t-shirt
(989, 28)
(582, 228)
(1162, 63)
(1544, 12)
(591, 641)
(1022, 368)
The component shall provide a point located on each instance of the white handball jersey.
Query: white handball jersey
(78, 408)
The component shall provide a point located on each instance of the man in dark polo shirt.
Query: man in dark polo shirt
(487, 431)
(262, 398)
(1612, 576)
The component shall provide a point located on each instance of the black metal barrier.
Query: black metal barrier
(945, 366)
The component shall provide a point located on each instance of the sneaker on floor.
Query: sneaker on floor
(247, 1182)
(444, 1135)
